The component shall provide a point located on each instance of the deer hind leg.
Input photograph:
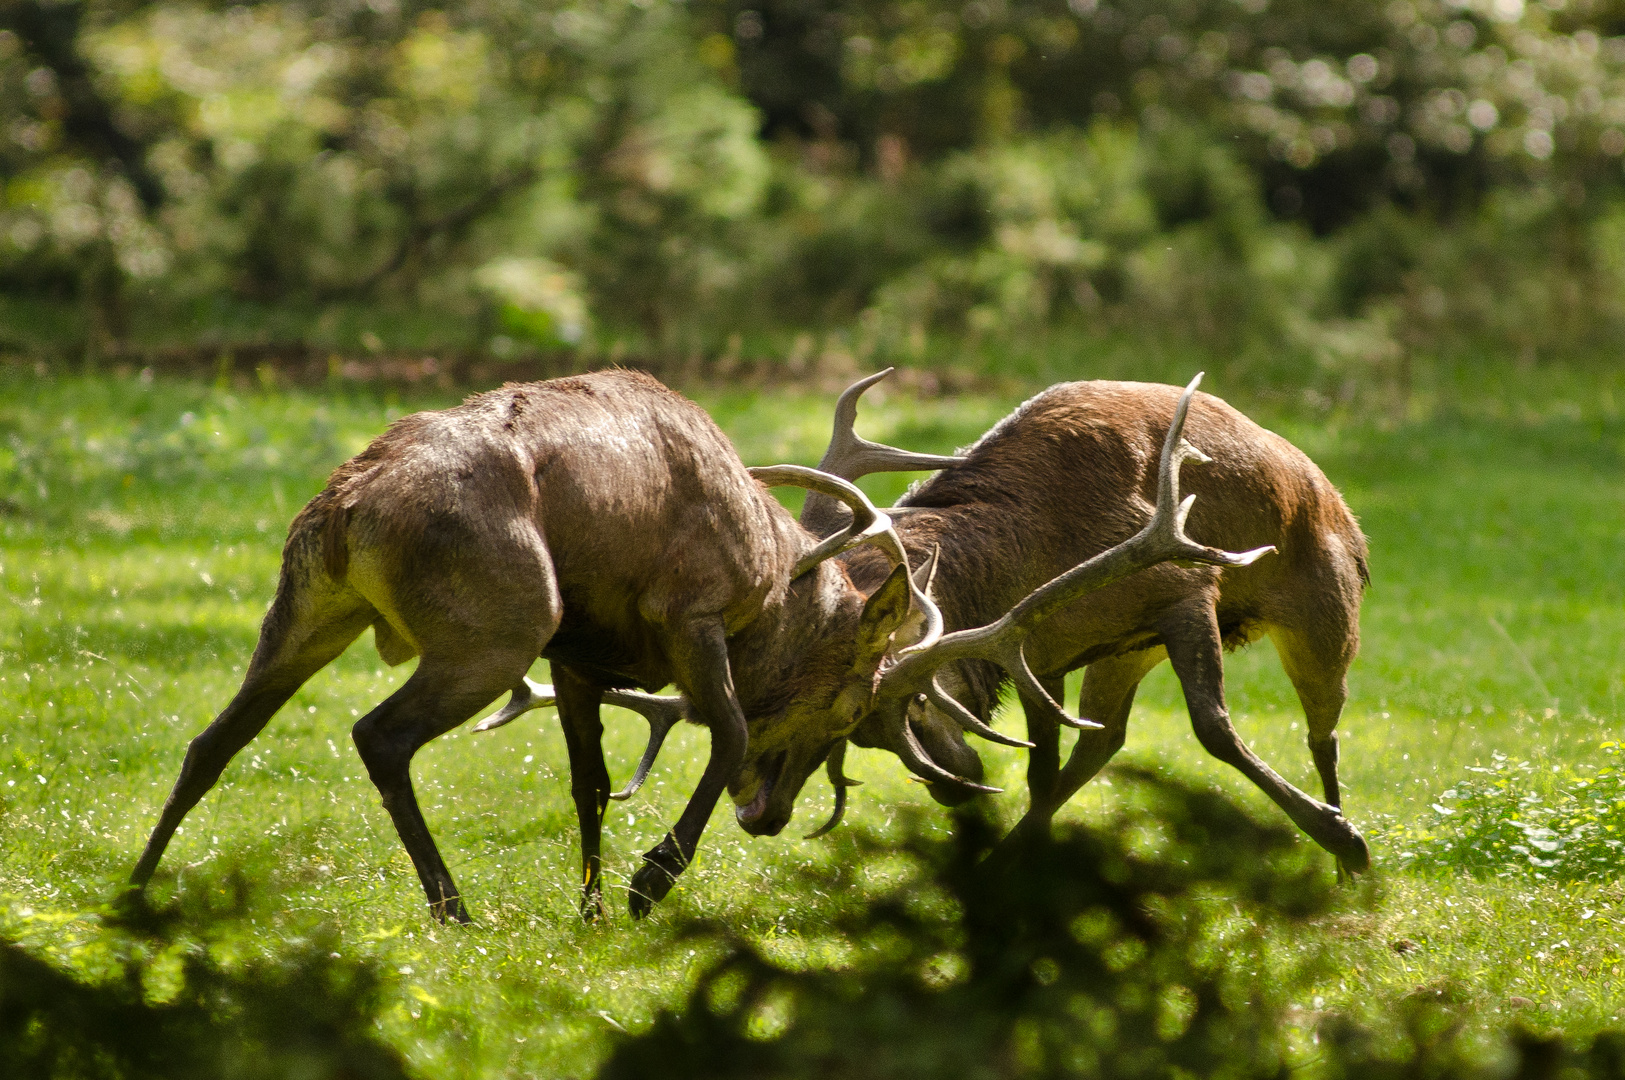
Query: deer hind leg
(578, 702)
(1320, 676)
(480, 605)
(303, 632)
(1192, 637)
(446, 689)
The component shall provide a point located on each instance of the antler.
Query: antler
(663, 714)
(867, 522)
(850, 456)
(914, 669)
(838, 779)
(869, 526)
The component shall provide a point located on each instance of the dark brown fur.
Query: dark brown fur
(603, 522)
(1073, 472)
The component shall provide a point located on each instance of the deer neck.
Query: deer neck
(772, 654)
(977, 581)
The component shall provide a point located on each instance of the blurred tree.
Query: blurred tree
(1339, 179)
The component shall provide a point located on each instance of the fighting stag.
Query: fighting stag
(603, 522)
(1069, 474)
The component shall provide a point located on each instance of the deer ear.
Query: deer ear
(882, 615)
(918, 622)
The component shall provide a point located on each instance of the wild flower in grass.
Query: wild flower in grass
(1494, 822)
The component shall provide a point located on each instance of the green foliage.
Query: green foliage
(1343, 184)
(166, 1008)
(1498, 821)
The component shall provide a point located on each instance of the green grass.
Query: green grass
(141, 526)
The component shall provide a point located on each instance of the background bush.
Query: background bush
(1344, 184)
(1512, 818)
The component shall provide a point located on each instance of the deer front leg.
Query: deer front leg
(1107, 698)
(578, 703)
(1192, 637)
(700, 663)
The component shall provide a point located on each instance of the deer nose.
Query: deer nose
(753, 817)
(765, 825)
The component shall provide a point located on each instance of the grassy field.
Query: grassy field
(142, 522)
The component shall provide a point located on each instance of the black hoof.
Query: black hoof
(1353, 856)
(655, 877)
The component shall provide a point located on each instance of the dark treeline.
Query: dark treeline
(1331, 179)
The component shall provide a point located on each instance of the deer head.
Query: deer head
(835, 672)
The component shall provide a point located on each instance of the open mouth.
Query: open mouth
(750, 814)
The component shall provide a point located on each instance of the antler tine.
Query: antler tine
(869, 525)
(663, 714)
(867, 522)
(850, 455)
(832, 767)
(1163, 539)
(525, 697)
(930, 616)
(969, 720)
(900, 740)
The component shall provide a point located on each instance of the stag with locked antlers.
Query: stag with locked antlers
(603, 522)
(1051, 486)
(1070, 473)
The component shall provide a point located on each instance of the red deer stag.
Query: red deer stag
(1066, 476)
(603, 522)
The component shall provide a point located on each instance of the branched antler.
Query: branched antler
(662, 712)
(850, 456)
(868, 526)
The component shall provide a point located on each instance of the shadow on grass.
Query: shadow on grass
(165, 1008)
(1166, 941)
(1149, 946)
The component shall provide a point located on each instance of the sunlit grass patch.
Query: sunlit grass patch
(1494, 624)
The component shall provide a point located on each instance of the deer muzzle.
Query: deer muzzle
(756, 817)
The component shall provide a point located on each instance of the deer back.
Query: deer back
(623, 491)
(1073, 471)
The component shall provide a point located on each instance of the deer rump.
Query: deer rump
(571, 519)
(1071, 473)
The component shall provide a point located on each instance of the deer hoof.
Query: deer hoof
(592, 899)
(1353, 854)
(655, 877)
